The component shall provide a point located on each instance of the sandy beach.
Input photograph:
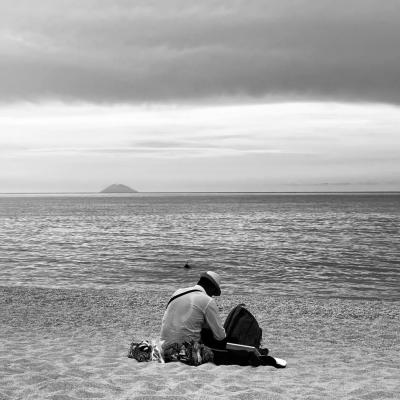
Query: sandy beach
(72, 344)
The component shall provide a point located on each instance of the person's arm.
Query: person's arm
(214, 321)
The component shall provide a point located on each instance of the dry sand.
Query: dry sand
(72, 344)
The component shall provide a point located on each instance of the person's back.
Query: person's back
(188, 313)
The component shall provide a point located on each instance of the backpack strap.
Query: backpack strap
(181, 294)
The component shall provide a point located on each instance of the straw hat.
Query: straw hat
(214, 278)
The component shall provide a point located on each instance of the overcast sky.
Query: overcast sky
(199, 96)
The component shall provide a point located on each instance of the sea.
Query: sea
(331, 245)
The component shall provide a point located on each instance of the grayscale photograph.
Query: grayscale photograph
(199, 199)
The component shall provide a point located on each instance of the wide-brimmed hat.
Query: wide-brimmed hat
(215, 279)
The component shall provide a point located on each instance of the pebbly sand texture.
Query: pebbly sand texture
(72, 344)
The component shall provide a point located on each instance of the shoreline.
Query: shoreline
(166, 292)
(335, 348)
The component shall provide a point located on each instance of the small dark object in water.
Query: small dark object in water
(187, 266)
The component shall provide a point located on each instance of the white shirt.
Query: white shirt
(185, 317)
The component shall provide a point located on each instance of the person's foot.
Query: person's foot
(280, 363)
(273, 362)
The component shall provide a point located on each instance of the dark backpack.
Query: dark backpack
(241, 327)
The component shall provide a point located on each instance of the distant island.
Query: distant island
(118, 188)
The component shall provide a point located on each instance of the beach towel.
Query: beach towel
(190, 353)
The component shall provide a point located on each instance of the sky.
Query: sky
(181, 95)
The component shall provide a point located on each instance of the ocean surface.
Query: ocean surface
(324, 245)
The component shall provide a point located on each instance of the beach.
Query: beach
(145, 145)
(73, 344)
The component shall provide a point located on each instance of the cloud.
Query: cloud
(286, 146)
(179, 51)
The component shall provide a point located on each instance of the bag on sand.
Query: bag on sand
(145, 351)
(241, 327)
(140, 351)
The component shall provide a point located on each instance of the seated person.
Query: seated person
(189, 311)
(192, 331)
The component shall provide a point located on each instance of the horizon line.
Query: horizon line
(214, 192)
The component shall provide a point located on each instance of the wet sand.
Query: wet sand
(72, 344)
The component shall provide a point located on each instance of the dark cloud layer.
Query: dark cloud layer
(138, 51)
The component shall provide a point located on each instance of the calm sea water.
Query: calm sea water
(336, 245)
